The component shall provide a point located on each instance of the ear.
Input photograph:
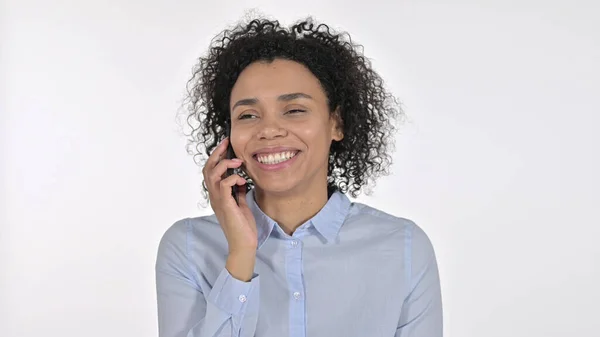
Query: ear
(337, 125)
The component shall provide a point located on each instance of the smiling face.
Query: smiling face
(281, 127)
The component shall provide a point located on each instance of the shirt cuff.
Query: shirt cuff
(230, 294)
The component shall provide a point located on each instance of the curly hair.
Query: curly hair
(366, 109)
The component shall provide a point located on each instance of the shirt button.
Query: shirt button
(297, 295)
(294, 243)
(242, 298)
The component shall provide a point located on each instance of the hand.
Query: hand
(237, 222)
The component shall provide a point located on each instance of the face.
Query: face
(281, 127)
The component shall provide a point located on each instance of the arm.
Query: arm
(229, 308)
(422, 311)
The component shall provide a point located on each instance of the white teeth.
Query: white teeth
(276, 158)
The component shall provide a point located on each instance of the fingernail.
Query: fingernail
(237, 160)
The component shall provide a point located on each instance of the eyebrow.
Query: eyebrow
(284, 98)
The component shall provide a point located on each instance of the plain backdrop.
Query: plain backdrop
(497, 161)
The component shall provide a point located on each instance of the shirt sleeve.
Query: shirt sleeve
(422, 311)
(229, 308)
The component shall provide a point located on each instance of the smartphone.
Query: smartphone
(230, 155)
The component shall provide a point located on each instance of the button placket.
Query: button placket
(293, 257)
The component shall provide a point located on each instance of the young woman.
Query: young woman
(309, 122)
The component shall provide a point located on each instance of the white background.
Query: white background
(498, 160)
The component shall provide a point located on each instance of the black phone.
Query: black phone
(230, 155)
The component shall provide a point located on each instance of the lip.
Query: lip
(275, 149)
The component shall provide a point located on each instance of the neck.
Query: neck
(291, 210)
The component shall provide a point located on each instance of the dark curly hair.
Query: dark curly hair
(347, 78)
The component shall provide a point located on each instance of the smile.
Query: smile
(275, 158)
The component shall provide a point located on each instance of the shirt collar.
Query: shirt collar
(327, 221)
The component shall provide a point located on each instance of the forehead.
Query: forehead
(264, 80)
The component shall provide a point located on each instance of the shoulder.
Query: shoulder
(370, 216)
(179, 235)
(385, 223)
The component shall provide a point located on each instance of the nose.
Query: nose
(270, 128)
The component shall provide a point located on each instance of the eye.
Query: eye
(293, 111)
(246, 116)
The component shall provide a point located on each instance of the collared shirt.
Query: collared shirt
(351, 270)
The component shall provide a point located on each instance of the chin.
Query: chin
(274, 187)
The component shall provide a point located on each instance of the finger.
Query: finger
(226, 184)
(217, 153)
(221, 168)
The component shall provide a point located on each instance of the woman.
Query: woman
(309, 121)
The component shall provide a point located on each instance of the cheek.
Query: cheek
(239, 141)
(315, 137)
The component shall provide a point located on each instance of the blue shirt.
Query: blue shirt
(351, 270)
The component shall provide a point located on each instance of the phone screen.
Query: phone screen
(230, 155)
